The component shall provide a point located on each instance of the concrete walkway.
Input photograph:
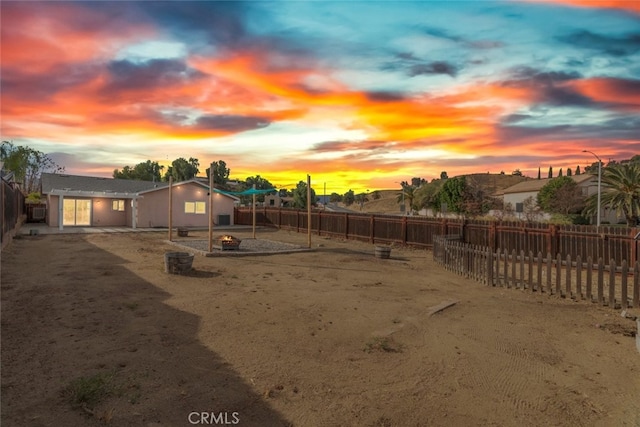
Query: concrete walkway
(33, 229)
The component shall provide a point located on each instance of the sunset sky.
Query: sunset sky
(360, 95)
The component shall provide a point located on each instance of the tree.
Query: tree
(561, 195)
(335, 198)
(145, 171)
(427, 195)
(550, 172)
(220, 172)
(516, 172)
(560, 172)
(27, 164)
(530, 209)
(349, 197)
(182, 169)
(538, 172)
(417, 182)
(443, 175)
(578, 170)
(569, 172)
(258, 182)
(361, 198)
(300, 196)
(452, 194)
(407, 195)
(376, 195)
(620, 192)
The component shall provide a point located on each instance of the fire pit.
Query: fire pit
(227, 242)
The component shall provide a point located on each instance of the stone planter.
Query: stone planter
(383, 252)
(183, 232)
(177, 262)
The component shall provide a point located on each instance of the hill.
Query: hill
(492, 184)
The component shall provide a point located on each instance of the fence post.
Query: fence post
(589, 294)
(490, 267)
(633, 252)
(346, 226)
(623, 284)
(404, 230)
(492, 235)
(612, 283)
(636, 285)
(552, 244)
(372, 226)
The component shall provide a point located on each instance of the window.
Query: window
(195, 207)
(117, 205)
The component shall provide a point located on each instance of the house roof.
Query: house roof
(54, 181)
(91, 186)
(534, 185)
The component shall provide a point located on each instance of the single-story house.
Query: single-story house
(87, 201)
(518, 193)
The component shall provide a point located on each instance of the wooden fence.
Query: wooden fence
(607, 242)
(12, 210)
(614, 284)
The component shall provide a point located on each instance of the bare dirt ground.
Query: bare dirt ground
(94, 332)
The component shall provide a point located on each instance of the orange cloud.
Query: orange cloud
(628, 5)
(624, 93)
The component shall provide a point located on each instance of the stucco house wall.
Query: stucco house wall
(137, 203)
(153, 206)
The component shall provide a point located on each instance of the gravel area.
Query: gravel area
(247, 247)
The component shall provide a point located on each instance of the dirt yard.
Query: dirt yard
(94, 332)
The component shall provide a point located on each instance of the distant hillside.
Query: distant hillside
(493, 184)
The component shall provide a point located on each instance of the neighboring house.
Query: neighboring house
(101, 202)
(517, 194)
(275, 201)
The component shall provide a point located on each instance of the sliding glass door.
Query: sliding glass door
(76, 212)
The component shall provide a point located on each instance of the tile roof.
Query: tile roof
(536, 184)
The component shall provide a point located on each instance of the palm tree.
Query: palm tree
(620, 192)
(408, 193)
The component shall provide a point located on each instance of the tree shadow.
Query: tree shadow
(66, 322)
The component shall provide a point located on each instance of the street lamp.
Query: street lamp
(599, 180)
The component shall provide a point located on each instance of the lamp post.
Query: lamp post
(599, 180)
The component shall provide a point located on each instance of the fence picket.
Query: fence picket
(589, 278)
(506, 269)
(636, 285)
(539, 272)
(558, 275)
(600, 281)
(623, 283)
(549, 262)
(530, 271)
(514, 281)
(484, 265)
(578, 278)
(521, 269)
(568, 278)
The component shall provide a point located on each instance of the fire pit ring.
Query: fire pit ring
(227, 242)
